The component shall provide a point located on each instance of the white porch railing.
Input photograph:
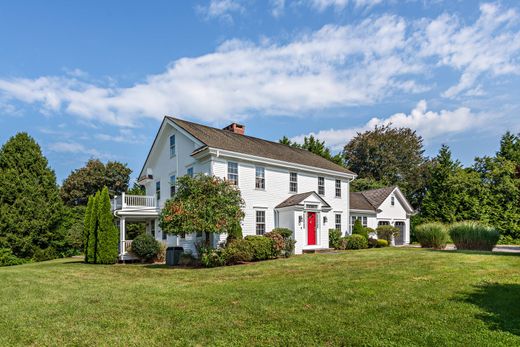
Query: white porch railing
(133, 201)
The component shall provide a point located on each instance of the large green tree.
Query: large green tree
(30, 205)
(203, 204)
(315, 146)
(500, 176)
(453, 193)
(391, 156)
(95, 175)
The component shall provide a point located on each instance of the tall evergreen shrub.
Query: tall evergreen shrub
(93, 231)
(107, 236)
(86, 227)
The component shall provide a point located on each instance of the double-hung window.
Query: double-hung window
(260, 222)
(189, 172)
(392, 201)
(158, 190)
(232, 174)
(321, 185)
(173, 183)
(338, 188)
(293, 182)
(260, 178)
(172, 146)
(337, 221)
(353, 219)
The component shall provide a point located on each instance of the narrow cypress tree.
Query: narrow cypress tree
(86, 228)
(107, 232)
(93, 231)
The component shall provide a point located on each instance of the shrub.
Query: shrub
(474, 236)
(342, 244)
(360, 231)
(356, 241)
(387, 232)
(432, 235)
(372, 242)
(161, 255)
(145, 247)
(286, 233)
(238, 251)
(380, 243)
(7, 258)
(278, 242)
(212, 257)
(187, 259)
(289, 242)
(45, 254)
(334, 238)
(357, 227)
(262, 247)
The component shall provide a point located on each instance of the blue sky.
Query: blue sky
(94, 79)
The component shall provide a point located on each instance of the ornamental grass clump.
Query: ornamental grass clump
(474, 236)
(432, 235)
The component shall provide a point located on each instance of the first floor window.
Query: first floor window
(158, 190)
(338, 188)
(199, 234)
(260, 222)
(152, 228)
(232, 173)
(173, 182)
(337, 220)
(164, 235)
(260, 178)
(293, 182)
(321, 185)
(363, 219)
(189, 172)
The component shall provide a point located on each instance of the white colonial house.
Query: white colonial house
(385, 206)
(281, 186)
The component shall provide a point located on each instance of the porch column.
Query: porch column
(122, 236)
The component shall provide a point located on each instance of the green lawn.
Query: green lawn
(371, 297)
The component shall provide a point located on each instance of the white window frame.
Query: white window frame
(232, 176)
(364, 221)
(260, 226)
(293, 183)
(173, 151)
(338, 188)
(158, 190)
(321, 187)
(260, 179)
(336, 223)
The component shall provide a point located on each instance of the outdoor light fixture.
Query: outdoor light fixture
(300, 220)
(324, 219)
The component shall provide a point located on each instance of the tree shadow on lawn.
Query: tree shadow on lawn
(501, 303)
(470, 252)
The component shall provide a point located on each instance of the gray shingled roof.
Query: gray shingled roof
(359, 202)
(296, 199)
(377, 196)
(227, 140)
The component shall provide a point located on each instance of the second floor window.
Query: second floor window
(260, 178)
(172, 146)
(338, 188)
(232, 173)
(321, 185)
(260, 222)
(173, 182)
(158, 190)
(189, 172)
(392, 201)
(293, 182)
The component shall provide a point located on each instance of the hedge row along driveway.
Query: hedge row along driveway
(390, 296)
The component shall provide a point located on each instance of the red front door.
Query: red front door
(311, 228)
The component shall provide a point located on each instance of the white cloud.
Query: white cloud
(221, 9)
(489, 45)
(335, 66)
(124, 136)
(428, 124)
(338, 5)
(77, 149)
(277, 7)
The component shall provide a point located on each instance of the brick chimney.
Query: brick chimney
(236, 128)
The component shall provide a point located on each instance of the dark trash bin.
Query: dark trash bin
(173, 255)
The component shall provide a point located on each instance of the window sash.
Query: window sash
(260, 222)
(260, 178)
(338, 188)
(233, 173)
(321, 185)
(337, 222)
(158, 190)
(293, 182)
(172, 146)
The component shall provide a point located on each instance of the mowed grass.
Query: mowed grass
(377, 297)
